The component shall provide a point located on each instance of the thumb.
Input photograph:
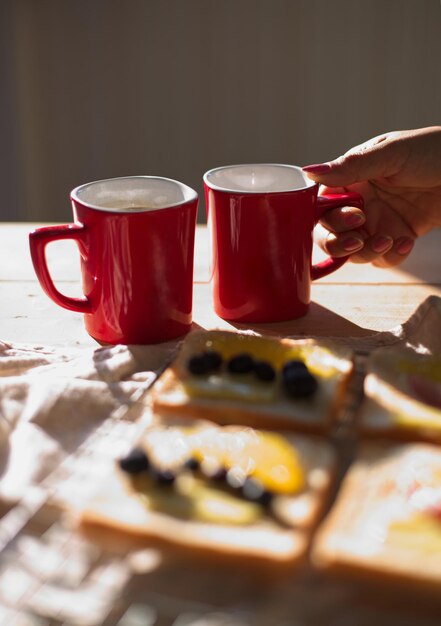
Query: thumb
(377, 158)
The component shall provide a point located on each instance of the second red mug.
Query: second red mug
(136, 241)
(261, 218)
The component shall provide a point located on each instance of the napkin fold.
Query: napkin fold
(52, 401)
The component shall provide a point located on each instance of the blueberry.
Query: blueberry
(254, 491)
(241, 364)
(299, 383)
(197, 365)
(204, 363)
(294, 365)
(213, 359)
(192, 464)
(163, 477)
(135, 462)
(264, 371)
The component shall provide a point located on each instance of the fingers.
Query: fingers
(394, 251)
(379, 158)
(374, 248)
(343, 219)
(379, 249)
(396, 254)
(377, 235)
(402, 158)
(338, 244)
(336, 232)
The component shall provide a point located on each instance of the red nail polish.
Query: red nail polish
(403, 245)
(317, 168)
(381, 243)
(354, 219)
(352, 243)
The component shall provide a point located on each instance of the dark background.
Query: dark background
(93, 89)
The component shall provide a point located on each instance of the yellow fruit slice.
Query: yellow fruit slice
(195, 499)
(277, 465)
(266, 456)
(422, 533)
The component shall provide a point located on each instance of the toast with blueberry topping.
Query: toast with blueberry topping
(230, 491)
(263, 382)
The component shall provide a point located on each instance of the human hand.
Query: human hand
(399, 176)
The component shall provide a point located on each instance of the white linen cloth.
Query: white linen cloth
(51, 401)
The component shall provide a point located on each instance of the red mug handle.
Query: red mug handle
(324, 203)
(38, 241)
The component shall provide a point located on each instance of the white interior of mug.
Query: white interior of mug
(133, 193)
(257, 178)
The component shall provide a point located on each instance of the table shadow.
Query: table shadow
(318, 322)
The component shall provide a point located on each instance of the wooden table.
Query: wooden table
(355, 301)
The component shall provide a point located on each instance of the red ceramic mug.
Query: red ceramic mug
(261, 219)
(136, 241)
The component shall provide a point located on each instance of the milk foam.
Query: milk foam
(135, 193)
(258, 178)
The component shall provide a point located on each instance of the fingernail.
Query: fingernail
(381, 243)
(403, 245)
(352, 243)
(354, 219)
(317, 168)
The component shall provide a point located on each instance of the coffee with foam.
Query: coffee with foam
(134, 194)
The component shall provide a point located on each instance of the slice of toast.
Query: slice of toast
(386, 521)
(207, 514)
(242, 399)
(402, 396)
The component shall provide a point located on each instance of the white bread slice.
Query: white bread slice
(402, 391)
(374, 529)
(280, 538)
(330, 362)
